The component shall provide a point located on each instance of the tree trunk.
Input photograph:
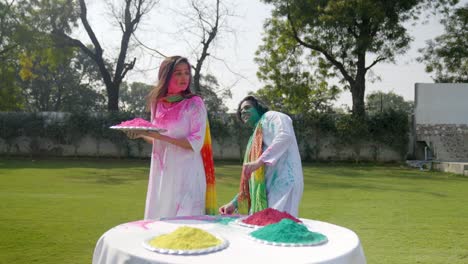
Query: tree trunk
(208, 36)
(358, 87)
(357, 92)
(113, 97)
(196, 80)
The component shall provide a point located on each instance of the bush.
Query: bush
(68, 128)
(389, 128)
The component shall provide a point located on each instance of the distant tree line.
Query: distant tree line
(44, 68)
(311, 51)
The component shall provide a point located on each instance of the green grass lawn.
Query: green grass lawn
(54, 211)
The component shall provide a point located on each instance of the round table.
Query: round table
(124, 244)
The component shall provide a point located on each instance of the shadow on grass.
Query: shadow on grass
(61, 163)
(117, 177)
(114, 171)
(376, 177)
(378, 172)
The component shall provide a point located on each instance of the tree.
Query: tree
(60, 80)
(204, 22)
(10, 32)
(213, 96)
(378, 102)
(134, 97)
(128, 18)
(200, 24)
(348, 33)
(295, 83)
(8, 25)
(21, 35)
(218, 117)
(447, 55)
(209, 30)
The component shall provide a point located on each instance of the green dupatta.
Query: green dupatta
(252, 192)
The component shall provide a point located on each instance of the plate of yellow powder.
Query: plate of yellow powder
(186, 240)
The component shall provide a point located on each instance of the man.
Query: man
(272, 171)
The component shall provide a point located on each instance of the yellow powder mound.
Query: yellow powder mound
(185, 238)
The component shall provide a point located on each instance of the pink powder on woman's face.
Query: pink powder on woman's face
(268, 216)
(136, 122)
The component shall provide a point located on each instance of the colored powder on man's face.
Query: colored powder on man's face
(287, 231)
(268, 216)
(185, 238)
(254, 117)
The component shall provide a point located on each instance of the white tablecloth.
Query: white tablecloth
(123, 244)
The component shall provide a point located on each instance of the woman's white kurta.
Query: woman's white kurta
(177, 183)
(283, 168)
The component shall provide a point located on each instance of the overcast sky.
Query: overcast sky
(161, 30)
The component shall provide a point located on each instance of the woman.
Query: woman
(177, 182)
(272, 170)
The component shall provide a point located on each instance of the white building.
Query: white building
(440, 127)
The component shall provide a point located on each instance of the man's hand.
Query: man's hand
(227, 209)
(251, 167)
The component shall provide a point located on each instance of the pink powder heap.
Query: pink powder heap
(268, 216)
(136, 122)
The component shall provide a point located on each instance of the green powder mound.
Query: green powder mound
(185, 238)
(287, 231)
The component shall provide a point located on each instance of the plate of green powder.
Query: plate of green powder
(186, 240)
(287, 233)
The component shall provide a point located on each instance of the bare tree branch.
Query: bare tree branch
(208, 37)
(229, 68)
(148, 48)
(375, 62)
(330, 57)
(133, 11)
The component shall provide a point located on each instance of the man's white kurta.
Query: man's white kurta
(283, 167)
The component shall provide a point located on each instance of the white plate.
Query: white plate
(281, 244)
(240, 222)
(224, 244)
(125, 128)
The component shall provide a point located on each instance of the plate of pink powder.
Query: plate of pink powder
(265, 217)
(137, 124)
